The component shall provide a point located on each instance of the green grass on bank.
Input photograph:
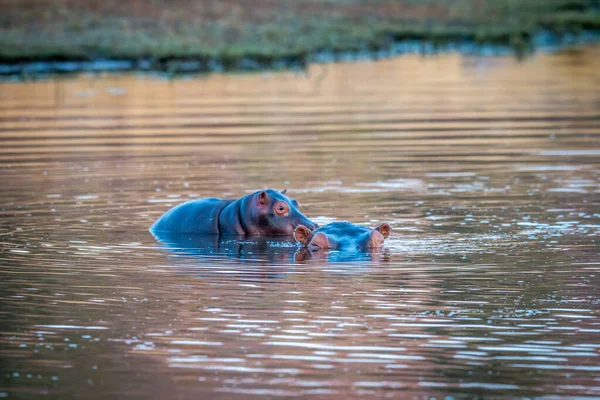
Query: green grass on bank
(267, 30)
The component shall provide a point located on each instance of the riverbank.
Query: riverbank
(186, 37)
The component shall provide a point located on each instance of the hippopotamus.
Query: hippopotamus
(263, 213)
(344, 236)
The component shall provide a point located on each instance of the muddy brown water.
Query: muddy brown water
(487, 169)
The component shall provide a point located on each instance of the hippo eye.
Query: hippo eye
(281, 208)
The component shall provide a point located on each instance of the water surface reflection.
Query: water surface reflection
(487, 169)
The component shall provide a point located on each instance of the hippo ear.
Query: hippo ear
(375, 239)
(295, 203)
(320, 240)
(262, 198)
(301, 234)
(384, 229)
(284, 191)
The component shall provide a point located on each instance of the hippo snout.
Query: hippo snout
(309, 224)
(302, 220)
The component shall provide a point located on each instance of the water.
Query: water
(487, 169)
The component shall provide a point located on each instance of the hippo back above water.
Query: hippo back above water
(342, 236)
(262, 213)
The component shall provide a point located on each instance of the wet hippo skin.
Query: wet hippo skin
(262, 213)
(342, 236)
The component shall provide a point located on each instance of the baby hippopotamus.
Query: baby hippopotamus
(262, 213)
(342, 236)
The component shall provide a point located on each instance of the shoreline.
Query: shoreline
(519, 45)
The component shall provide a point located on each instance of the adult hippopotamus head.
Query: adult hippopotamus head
(342, 236)
(270, 213)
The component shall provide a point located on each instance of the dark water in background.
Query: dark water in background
(487, 169)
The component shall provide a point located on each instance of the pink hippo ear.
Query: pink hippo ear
(262, 198)
(375, 239)
(320, 240)
(384, 229)
(301, 234)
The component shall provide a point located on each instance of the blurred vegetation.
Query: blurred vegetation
(231, 31)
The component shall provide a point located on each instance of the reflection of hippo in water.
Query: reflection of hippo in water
(343, 236)
(215, 248)
(280, 251)
(263, 213)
